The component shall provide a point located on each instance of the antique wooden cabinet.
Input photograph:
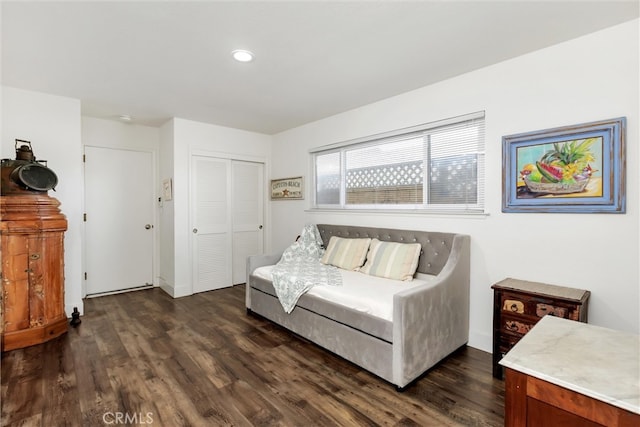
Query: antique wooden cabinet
(530, 401)
(566, 373)
(519, 305)
(31, 239)
(31, 234)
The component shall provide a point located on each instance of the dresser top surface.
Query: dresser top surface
(542, 288)
(598, 362)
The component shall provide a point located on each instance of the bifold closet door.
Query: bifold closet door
(227, 211)
(211, 223)
(248, 215)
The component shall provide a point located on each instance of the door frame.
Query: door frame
(156, 214)
(226, 156)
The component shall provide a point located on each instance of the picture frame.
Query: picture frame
(287, 188)
(570, 169)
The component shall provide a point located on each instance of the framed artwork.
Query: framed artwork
(287, 189)
(572, 169)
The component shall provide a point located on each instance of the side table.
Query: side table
(518, 305)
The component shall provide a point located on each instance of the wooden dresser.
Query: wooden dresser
(519, 305)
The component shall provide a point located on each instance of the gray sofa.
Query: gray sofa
(429, 321)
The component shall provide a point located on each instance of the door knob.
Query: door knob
(260, 227)
(148, 226)
(195, 231)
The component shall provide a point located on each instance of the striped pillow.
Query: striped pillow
(391, 260)
(346, 253)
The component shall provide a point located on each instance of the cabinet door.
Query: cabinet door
(36, 258)
(15, 266)
(50, 260)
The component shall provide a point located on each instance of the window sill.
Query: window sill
(396, 212)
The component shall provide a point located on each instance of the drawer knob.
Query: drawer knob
(513, 306)
(518, 327)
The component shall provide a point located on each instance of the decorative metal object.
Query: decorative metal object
(25, 173)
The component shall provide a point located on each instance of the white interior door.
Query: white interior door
(211, 223)
(247, 214)
(119, 206)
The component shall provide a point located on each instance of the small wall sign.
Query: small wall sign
(287, 189)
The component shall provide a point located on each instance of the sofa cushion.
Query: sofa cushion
(392, 260)
(361, 292)
(365, 322)
(348, 254)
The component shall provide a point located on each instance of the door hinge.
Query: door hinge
(84, 217)
(84, 158)
(85, 275)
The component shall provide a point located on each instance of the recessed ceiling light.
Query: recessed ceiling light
(125, 117)
(242, 55)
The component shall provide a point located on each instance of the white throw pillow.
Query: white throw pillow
(348, 254)
(392, 260)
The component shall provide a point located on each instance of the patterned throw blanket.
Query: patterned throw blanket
(300, 269)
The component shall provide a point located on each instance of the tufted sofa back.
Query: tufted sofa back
(436, 247)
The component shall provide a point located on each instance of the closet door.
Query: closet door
(247, 214)
(119, 206)
(211, 223)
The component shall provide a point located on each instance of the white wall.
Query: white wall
(166, 232)
(126, 136)
(191, 137)
(113, 134)
(591, 78)
(52, 124)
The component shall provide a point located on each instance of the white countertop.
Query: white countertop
(598, 362)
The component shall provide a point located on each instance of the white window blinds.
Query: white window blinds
(436, 167)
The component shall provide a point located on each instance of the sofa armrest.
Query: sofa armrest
(431, 321)
(253, 262)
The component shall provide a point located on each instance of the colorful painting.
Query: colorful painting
(576, 169)
(561, 169)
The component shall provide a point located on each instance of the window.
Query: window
(434, 167)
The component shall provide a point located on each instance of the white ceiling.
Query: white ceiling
(157, 60)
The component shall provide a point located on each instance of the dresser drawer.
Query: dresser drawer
(515, 324)
(537, 306)
(543, 309)
(506, 342)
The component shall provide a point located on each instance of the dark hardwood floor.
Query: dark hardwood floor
(145, 358)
